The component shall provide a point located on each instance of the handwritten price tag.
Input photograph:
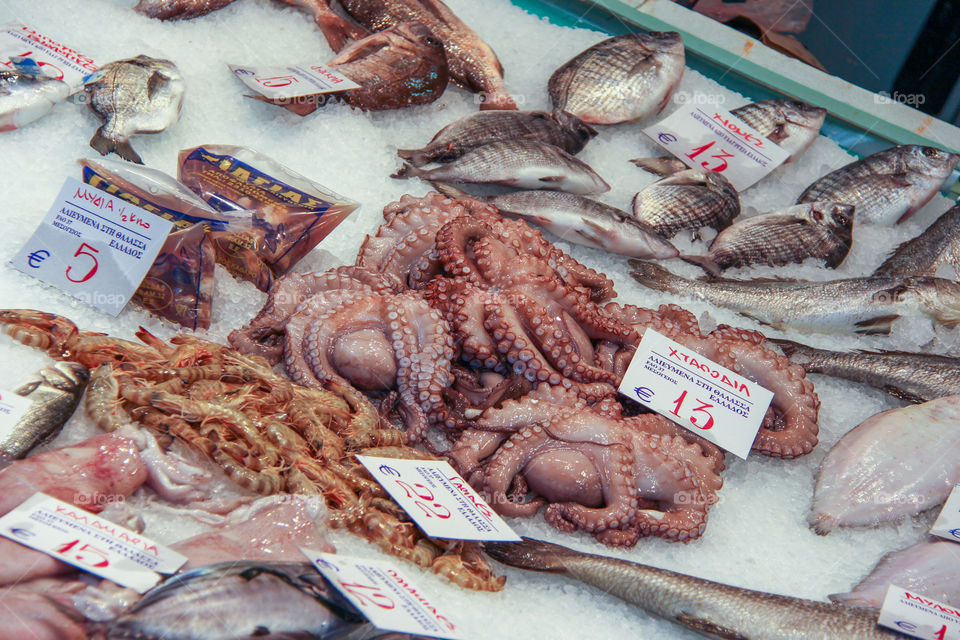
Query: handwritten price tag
(12, 408)
(919, 617)
(94, 246)
(948, 522)
(440, 501)
(714, 139)
(696, 393)
(294, 81)
(388, 599)
(89, 542)
(56, 59)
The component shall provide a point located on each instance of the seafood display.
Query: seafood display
(26, 94)
(691, 199)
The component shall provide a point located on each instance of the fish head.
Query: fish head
(66, 376)
(930, 161)
(420, 34)
(576, 129)
(802, 114)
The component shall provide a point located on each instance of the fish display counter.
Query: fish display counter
(320, 237)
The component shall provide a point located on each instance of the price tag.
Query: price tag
(57, 60)
(388, 598)
(12, 408)
(89, 542)
(696, 393)
(440, 501)
(919, 617)
(948, 522)
(714, 139)
(294, 81)
(94, 246)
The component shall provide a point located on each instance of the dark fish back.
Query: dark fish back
(922, 256)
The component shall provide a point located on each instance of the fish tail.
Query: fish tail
(106, 145)
(408, 170)
(416, 157)
(449, 191)
(649, 274)
(338, 31)
(704, 262)
(821, 523)
(535, 555)
(492, 101)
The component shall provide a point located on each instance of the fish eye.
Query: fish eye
(433, 41)
(931, 152)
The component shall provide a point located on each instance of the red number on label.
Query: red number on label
(701, 409)
(277, 81)
(678, 403)
(85, 250)
(431, 510)
(698, 150)
(721, 165)
(426, 494)
(376, 597)
(86, 554)
(940, 635)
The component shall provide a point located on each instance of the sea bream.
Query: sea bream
(26, 94)
(709, 608)
(936, 247)
(889, 186)
(691, 199)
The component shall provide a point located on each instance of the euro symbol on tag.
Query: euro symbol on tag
(955, 533)
(666, 138)
(23, 534)
(645, 394)
(35, 258)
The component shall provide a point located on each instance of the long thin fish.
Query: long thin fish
(914, 377)
(937, 246)
(863, 305)
(691, 199)
(709, 608)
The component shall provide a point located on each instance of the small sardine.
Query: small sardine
(691, 199)
(924, 255)
(523, 164)
(624, 78)
(914, 377)
(709, 608)
(888, 186)
(895, 464)
(26, 94)
(559, 129)
(867, 305)
(819, 230)
(791, 124)
(178, 9)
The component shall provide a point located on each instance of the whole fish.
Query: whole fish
(137, 95)
(690, 199)
(559, 129)
(818, 230)
(178, 9)
(54, 396)
(337, 30)
(624, 78)
(937, 246)
(895, 464)
(914, 377)
(709, 608)
(26, 94)
(579, 220)
(889, 185)
(524, 164)
(243, 599)
(864, 305)
(473, 64)
(791, 124)
(929, 567)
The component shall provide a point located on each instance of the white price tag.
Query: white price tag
(57, 60)
(441, 502)
(294, 81)
(696, 393)
(388, 599)
(948, 522)
(12, 408)
(89, 542)
(919, 617)
(716, 140)
(94, 246)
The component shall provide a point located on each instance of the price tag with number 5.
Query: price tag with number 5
(94, 246)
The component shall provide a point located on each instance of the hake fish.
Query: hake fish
(939, 245)
(26, 94)
(914, 377)
(691, 199)
(868, 305)
(624, 78)
(890, 185)
(559, 129)
(523, 164)
(791, 124)
(709, 608)
(818, 230)
(136, 95)
(178, 9)
(54, 396)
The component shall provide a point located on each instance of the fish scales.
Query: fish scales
(791, 124)
(690, 199)
(924, 255)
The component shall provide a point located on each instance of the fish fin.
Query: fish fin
(449, 190)
(551, 179)
(408, 170)
(758, 320)
(416, 157)
(155, 83)
(662, 166)
(876, 326)
(906, 396)
(708, 628)
(106, 145)
(821, 523)
(497, 102)
(357, 50)
(704, 262)
(643, 64)
(591, 236)
(794, 351)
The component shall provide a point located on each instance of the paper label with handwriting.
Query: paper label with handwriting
(919, 617)
(12, 408)
(94, 246)
(441, 502)
(56, 59)
(948, 522)
(293, 81)
(697, 393)
(89, 542)
(387, 597)
(710, 138)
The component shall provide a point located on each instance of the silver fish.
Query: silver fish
(624, 78)
(892, 465)
(818, 230)
(937, 246)
(26, 94)
(559, 129)
(690, 199)
(791, 124)
(178, 9)
(863, 305)
(54, 396)
(889, 185)
(709, 608)
(579, 220)
(914, 377)
(523, 164)
(137, 95)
